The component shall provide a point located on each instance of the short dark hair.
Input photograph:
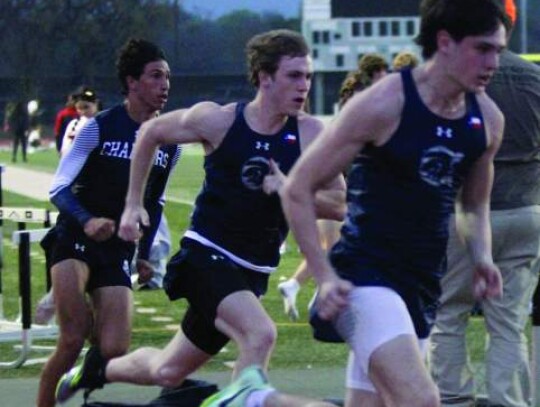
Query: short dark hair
(85, 93)
(264, 51)
(461, 18)
(133, 57)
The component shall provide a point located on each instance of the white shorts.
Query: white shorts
(375, 315)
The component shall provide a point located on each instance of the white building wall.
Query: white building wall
(338, 43)
(316, 10)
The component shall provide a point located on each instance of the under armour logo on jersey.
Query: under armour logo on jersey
(444, 132)
(259, 145)
(79, 247)
(216, 257)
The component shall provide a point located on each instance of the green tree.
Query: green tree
(43, 38)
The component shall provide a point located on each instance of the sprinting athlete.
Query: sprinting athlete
(89, 189)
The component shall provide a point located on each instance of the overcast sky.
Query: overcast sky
(216, 8)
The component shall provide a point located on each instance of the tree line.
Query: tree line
(80, 38)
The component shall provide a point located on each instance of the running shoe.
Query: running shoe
(251, 379)
(89, 375)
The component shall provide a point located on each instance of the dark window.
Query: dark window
(395, 29)
(368, 29)
(410, 28)
(383, 28)
(326, 37)
(337, 36)
(315, 53)
(316, 37)
(340, 60)
(355, 29)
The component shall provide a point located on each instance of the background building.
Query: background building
(339, 32)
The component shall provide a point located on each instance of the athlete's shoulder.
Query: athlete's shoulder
(209, 120)
(211, 113)
(212, 108)
(381, 101)
(111, 113)
(309, 122)
(383, 97)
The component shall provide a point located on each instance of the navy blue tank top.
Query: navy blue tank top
(401, 195)
(232, 211)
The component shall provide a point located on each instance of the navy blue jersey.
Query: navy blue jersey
(401, 195)
(95, 174)
(232, 212)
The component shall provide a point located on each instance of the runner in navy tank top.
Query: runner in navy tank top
(400, 197)
(228, 209)
(232, 245)
(419, 143)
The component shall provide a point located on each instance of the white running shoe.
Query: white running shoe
(289, 290)
(251, 379)
(45, 309)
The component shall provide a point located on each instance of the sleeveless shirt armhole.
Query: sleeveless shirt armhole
(291, 126)
(410, 92)
(239, 109)
(472, 104)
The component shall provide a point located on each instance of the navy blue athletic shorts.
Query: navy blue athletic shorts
(109, 261)
(205, 276)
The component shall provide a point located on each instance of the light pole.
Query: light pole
(523, 26)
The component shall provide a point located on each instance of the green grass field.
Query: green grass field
(295, 347)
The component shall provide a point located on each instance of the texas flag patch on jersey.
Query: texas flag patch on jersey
(290, 138)
(475, 123)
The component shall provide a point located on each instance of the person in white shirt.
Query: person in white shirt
(87, 105)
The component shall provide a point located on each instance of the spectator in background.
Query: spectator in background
(63, 117)
(371, 68)
(18, 122)
(405, 59)
(86, 105)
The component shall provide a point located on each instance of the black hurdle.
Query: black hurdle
(25, 286)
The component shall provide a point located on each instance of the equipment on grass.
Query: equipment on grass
(21, 329)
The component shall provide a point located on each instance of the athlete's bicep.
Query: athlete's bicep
(169, 128)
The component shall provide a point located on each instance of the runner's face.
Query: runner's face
(290, 84)
(474, 60)
(153, 85)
